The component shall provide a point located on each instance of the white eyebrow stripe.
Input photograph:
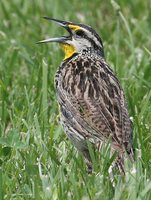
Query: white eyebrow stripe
(90, 35)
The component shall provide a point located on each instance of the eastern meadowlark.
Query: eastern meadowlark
(91, 100)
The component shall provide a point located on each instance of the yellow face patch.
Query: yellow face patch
(74, 27)
(68, 49)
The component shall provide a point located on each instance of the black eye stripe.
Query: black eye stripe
(80, 33)
(91, 41)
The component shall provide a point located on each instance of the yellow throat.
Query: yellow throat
(68, 49)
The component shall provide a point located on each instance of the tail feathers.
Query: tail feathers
(120, 160)
(120, 164)
(131, 154)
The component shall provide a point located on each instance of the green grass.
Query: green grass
(36, 159)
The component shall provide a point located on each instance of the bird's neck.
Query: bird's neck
(91, 51)
(71, 53)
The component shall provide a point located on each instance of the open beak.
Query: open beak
(61, 39)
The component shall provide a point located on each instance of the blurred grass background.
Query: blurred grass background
(36, 159)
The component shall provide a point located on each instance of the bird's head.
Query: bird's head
(81, 37)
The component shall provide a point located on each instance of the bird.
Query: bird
(92, 102)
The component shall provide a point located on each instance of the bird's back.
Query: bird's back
(92, 103)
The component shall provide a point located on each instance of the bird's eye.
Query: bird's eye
(79, 33)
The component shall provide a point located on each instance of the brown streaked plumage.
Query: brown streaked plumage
(91, 100)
